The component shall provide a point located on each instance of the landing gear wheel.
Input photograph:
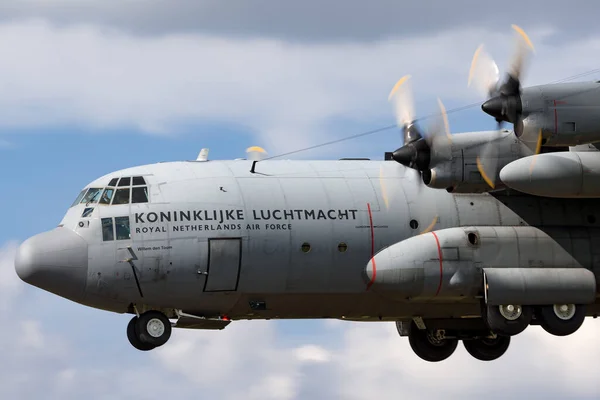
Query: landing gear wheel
(426, 345)
(154, 328)
(134, 338)
(508, 320)
(562, 319)
(487, 349)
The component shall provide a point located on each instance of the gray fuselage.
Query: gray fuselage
(291, 240)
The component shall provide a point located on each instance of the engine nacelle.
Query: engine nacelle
(567, 113)
(561, 174)
(449, 264)
(459, 173)
(456, 176)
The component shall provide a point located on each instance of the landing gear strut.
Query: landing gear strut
(431, 345)
(152, 329)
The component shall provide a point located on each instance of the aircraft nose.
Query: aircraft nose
(55, 261)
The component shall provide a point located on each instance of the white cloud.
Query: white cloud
(286, 93)
(312, 354)
(31, 335)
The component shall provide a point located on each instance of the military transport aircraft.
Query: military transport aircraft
(436, 241)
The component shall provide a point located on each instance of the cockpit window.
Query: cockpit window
(121, 196)
(122, 225)
(87, 212)
(78, 199)
(125, 182)
(107, 195)
(107, 229)
(139, 194)
(91, 196)
(128, 190)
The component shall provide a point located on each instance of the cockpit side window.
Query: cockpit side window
(107, 195)
(113, 182)
(78, 199)
(139, 194)
(91, 196)
(138, 180)
(122, 225)
(107, 229)
(121, 196)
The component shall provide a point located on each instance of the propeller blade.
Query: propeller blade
(401, 98)
(255, 153)
(438, 136)
(430, 227)
(383, 188)
(538, 148)
(523, 47)
(484, 73)
(487, 163)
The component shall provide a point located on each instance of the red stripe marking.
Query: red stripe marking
(555, 118)
(437, 241)
(372, 247)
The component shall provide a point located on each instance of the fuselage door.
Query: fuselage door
(224, 259)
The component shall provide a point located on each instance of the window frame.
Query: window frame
(80, 197)
(112, 203)
(100, 190)
(112, 225)
(123, 178)
(114, 190)
(128, 227)
(146, 192)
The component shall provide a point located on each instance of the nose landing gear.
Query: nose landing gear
(148, 331)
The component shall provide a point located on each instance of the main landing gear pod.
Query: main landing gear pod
(556, 296)
(148, 331)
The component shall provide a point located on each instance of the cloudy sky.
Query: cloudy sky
(91, 86)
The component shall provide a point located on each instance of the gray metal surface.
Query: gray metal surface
(563, 174)
(539, 286)
(224, 258)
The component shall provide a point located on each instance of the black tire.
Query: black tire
(487, 349)
(154, 328)
(506, 327)
(134, 338)
(553, 324)
(428, 349)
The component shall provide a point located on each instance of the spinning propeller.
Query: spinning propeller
(420, 147)
(504, 102)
